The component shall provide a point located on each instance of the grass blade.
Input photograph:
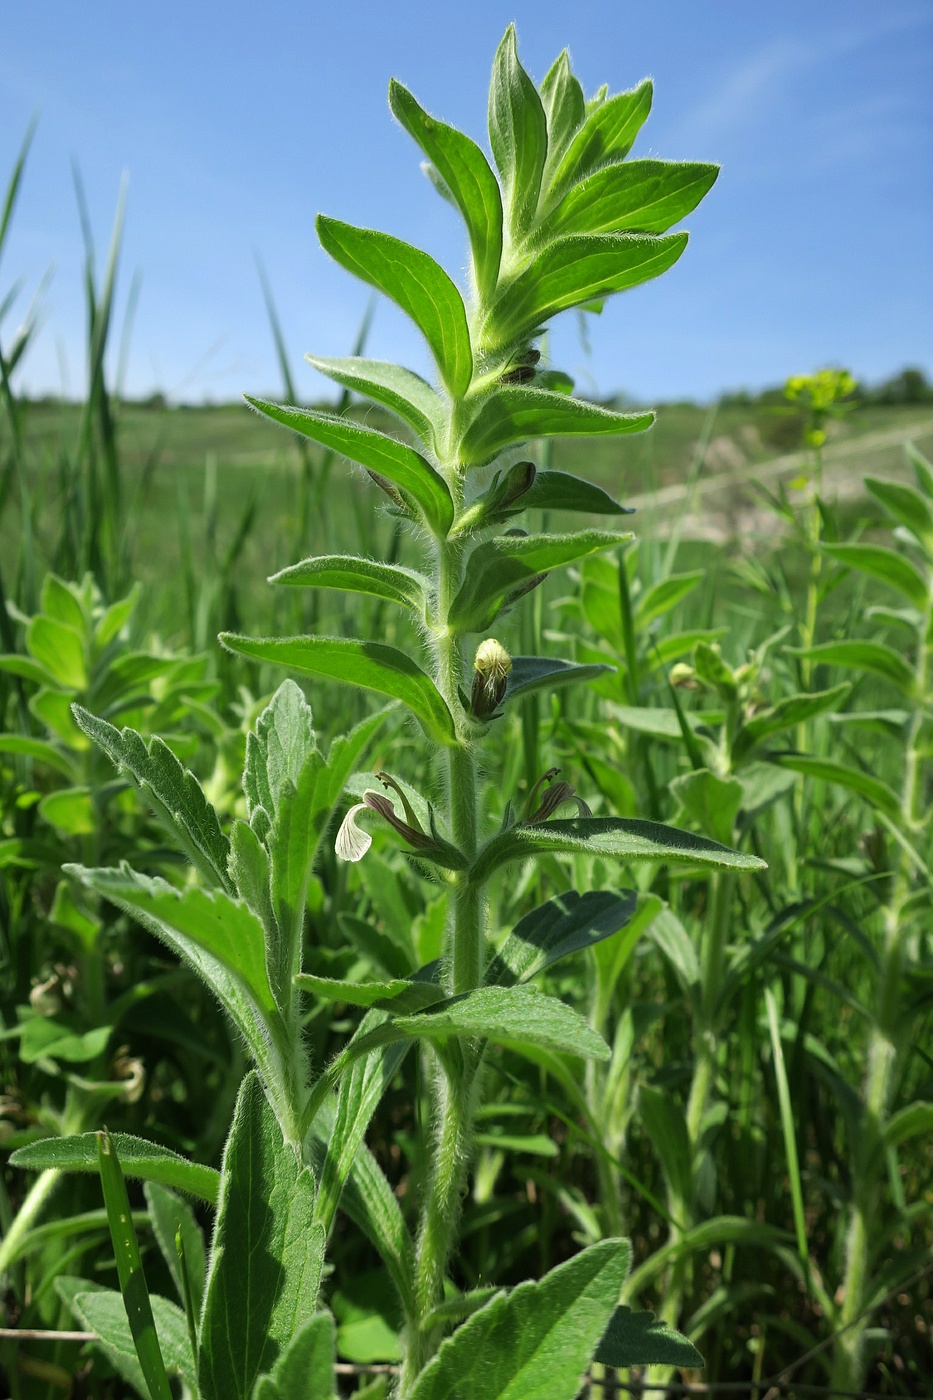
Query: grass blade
(130, 1270)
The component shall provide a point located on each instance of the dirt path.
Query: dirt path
(724, 505)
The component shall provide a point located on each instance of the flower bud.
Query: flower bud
(490, 678)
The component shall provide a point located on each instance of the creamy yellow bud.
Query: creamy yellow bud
(492, 665)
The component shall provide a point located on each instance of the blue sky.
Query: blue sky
(237, 124)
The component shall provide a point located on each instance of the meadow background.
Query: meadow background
(128, 463)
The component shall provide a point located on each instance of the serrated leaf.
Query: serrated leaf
(535, 1342)
(606, 136)
(221, 939)
(369, 665)
(386, 456)
(416, 283)
(886, 565)
(876, 793)
(305, 1370)
(638, 196)
(573, 270)
(401, 391)
(267, 1257)
(531, 673)
(786, 714)
(467, 177)
(513, 413)
(345, 571)
(640, 1339)
(138, 1158)
(517, 133)
(876, 658)
(190, 918)
(511, 1016)
(564, 925)
(619, 838)
(173, 793)
(499, 566)
(277, 749)
(561, 491)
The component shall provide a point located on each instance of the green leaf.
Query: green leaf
(221, 939)
(169, 1214)
(277, 752)
(661, 597)
(416, 283)
(117, 616)
(659, 722)
(512, 413)
(564, 108)
(666, 1127)
(386, 456)
(305, 1370)
(41, 751)
(58, 601)
(619, 838)
(404, 393)
(535, 1342)
(876, 793)
(138, 1158)
(172, 792)
(58, 1038)
(561, 491)
(573, 270)
(466, 175)
(499, 566)
(639, 196)
(364, 993)
(102, 1310)
(886, 565)
(554, 930)
(509, 1016)
(913, 1121)
(517, 134)
(531, 673)
(709, 801)
(369, 665)
(786, 714)
(267, 1257)
(345, 571)
(130, 1271)
(59, 649)
(71, 810)
(639, 1339)
(908, 507)
(874, 657)
(606, 136)
(24, 666)
(190, 919)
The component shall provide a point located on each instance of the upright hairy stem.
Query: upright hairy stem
(457, 1071)
(884, 1047)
